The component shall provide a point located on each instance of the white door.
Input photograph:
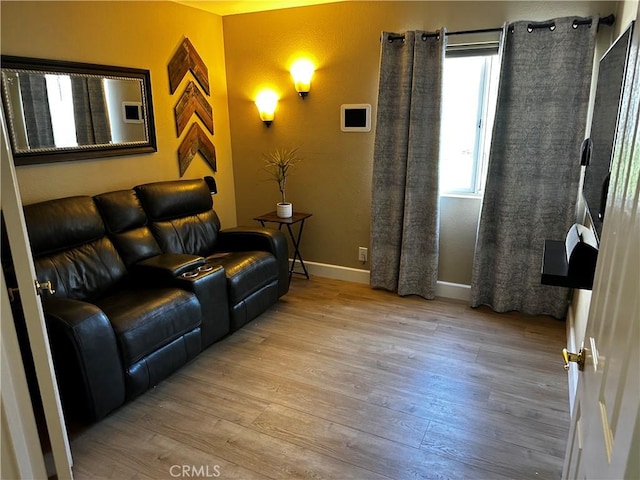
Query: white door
(25, 273)
(20, 452)
(604, 438)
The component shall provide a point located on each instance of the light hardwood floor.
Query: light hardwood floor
(339, 381)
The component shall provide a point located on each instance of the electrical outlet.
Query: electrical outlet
(362, 254)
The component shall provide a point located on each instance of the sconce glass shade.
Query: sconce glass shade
(266, 102)
(302, 72)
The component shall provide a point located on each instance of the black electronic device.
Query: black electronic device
(598, 151)
(572, 262)
(355, 117)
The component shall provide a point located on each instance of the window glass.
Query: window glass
(469, 95)
(60, 98)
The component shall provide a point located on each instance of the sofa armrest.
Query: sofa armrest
(86, 357)
(209, 283)
(240, 239)
(167, 265)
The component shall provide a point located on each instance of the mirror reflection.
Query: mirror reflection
(82, 111)
(62, 111)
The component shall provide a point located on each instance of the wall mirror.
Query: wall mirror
(59, 111)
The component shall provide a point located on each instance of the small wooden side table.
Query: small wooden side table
(297, 217)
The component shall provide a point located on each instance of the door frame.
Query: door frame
(32, 307)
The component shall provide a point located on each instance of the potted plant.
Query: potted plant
(278, 164)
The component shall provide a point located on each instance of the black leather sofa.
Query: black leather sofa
(144, 280)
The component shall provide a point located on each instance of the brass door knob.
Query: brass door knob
(573, 357)
(40, 287)
(44, 287)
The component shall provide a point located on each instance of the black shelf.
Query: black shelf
(556, 271)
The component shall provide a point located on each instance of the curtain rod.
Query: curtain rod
(608, 20)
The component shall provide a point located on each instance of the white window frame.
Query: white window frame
(483, 135)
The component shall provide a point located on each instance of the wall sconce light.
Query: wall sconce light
(302, 72)
(266, 102)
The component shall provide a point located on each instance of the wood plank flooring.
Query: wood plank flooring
(339, 381)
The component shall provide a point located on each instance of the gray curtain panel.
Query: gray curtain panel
(405, 201)
(90, 111)
(534, 171)
(37, 116)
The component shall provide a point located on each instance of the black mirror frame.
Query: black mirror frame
(89, 152)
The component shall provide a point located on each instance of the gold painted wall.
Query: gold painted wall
(132, 34)
(334, 181)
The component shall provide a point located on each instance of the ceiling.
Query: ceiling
(231, 7)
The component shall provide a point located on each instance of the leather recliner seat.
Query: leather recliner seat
(182, 219)
(144, 280)
(126, 223)
(131, 335)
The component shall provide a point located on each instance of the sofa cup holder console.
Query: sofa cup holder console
(202, 269)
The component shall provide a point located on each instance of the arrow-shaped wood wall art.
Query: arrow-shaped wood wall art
(196, 141)
(192, 101)
(184, 60)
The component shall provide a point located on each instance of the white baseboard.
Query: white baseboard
(454, 291)
(336, 272)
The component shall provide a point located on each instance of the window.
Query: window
(468, 108)
(60, 98)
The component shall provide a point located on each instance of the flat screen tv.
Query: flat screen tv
(603, 127)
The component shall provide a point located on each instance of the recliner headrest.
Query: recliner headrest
(174, 199)
(121, 210)
(63, 223)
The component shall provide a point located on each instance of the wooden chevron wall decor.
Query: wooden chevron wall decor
(196, 141)
(192, 101)
(184, 60)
